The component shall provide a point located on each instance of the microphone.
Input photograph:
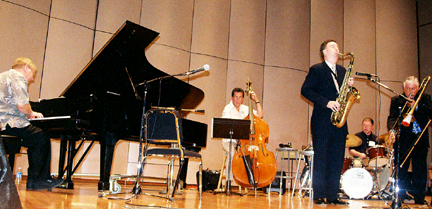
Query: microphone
(206, 67)
(365, 74)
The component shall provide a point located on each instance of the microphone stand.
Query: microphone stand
(143, 130)
(137, 189)
(388, 88)
(396, 203)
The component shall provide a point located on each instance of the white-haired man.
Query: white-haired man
(15, 111)
(416, 183)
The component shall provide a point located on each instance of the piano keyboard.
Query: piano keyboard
(51, 118)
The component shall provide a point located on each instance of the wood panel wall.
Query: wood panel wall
(272, 42)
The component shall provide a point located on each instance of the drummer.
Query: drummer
(368, 139)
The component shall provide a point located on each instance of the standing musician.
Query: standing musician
(321, 86)
(408, 136)
(237, 110)
(368, 139)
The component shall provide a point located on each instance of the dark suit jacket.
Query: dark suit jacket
(422, 116)
(319, 88)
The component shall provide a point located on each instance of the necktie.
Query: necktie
(416, 127)
(333, 72)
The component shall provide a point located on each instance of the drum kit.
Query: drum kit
(361, 179)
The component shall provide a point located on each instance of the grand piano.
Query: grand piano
(104, 103)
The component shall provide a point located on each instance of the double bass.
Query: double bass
(253, 165)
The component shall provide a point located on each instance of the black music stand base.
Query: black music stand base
(232, 129)
(228, 192)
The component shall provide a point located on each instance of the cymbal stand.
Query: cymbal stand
(377, 184)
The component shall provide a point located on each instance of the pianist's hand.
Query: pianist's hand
(35, 115)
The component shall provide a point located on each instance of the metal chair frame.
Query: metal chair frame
(176, 150)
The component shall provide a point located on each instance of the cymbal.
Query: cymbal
(353, 141)
(383, 138)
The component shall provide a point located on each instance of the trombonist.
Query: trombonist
(416, 183)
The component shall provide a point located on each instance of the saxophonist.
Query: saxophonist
(321, 87)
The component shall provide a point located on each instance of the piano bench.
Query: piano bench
(12, 146)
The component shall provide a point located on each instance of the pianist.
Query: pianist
(14, 113)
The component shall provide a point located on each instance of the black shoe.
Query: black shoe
(319, 201)
(29, 183)
(42, 185)
(421, 202)
(337, 201)
(428, 191)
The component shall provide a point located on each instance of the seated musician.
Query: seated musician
(237, 110)
(368, 139)
(15, 112)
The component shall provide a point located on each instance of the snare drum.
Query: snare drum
(357, 163)
(357, 183)
(378, 156)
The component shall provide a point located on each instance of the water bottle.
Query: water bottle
(18, 176)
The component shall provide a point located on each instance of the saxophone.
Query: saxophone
(346, 97)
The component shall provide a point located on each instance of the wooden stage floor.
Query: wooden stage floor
(85, 195)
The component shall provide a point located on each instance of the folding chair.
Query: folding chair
(164, 127)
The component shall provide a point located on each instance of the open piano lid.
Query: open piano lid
(121, 64)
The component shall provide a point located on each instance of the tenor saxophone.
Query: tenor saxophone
(346, 97)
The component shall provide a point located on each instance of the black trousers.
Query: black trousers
(415, 184)
(329, 151)
(38, 146)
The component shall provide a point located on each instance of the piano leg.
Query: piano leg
(62, 157)
(107, 153)
(71, 155)
(67, 183)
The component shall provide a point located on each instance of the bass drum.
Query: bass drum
(357, 183)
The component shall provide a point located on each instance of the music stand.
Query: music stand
(232, 129)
